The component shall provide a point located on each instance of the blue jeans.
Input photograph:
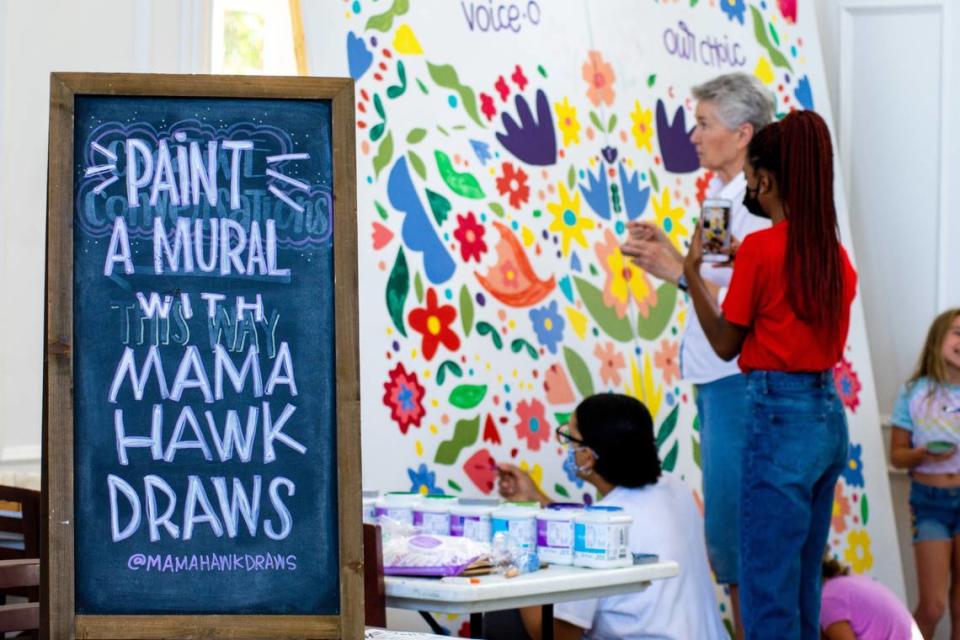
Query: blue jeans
(722, 407)
(796, 448)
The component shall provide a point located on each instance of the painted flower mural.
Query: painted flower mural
(494, 197)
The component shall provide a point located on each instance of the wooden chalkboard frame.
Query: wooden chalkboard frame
(58, 613)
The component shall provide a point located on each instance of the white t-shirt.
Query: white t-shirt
(665, 522)
(699, 363)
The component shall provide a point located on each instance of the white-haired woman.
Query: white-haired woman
(730, 109)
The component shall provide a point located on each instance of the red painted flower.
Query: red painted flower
(403, 394)
(513, 182)
(470, 234)
(533, 426)
(702, 183)
(788, 9)
(487, 107)
(519, 78)
(433, 322)
(502, 88)
(848, 384)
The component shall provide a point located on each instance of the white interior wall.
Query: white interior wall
(893, 70)
(38, 37)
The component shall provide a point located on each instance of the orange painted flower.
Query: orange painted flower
(513, 182)
(599, 76)
(668, 361)
(611, 361)
(624, 280)
(433, 322)
(841, 509)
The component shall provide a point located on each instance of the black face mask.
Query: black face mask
(752, 203)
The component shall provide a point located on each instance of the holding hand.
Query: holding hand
(694, 258)
(652, 251)
(943, 456)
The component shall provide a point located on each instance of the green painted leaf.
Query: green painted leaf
(423, 87)
(541, 70)
(595, 119)
(378, 105)
(398, 287)
(383, 22)
(774, 34)
(462, 184)
(561, 490)
(467, 396)
(696, 451)
(397, 90)
(380, 210)
(496, 208)
(418, 165)
(465, 433)
(696, 423)
(667, 427)
(376, 132)
(579, 372)
(864, 509)
(416, 135)
(651, 79)
(443, 131)
(670, 462)
(760, 33)
(617, 328)
(571, 177)
(653, 181)
(562, 418)
(693, 3)
(446, 76)
(418, 288)
(485, 328)
(453, 485)
(652, 326)
(439, 205)
(611, 123)
(593, 270)
(520, 343)
(445, 366)
(384, 154)
(466, 310)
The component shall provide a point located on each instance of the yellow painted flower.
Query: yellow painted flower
(669, 218)
(567, 220)
(642, 129)
(857, 553)
(643, 387)
(624, 279)
(567, 121)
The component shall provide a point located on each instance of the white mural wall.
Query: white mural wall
(502, 146)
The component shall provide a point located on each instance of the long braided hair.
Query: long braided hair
(798, 152)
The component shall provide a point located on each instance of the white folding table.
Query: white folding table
(546, 587)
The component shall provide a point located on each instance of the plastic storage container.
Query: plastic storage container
(370, 506)
(471, 521)
(432, 515)
(398, 506)
(555, 532)
(601, 538)
(519, 521)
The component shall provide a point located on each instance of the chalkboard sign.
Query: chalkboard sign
(201, 456)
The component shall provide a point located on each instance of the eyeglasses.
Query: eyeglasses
(563, 436)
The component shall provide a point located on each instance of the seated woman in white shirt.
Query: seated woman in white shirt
(615, 451)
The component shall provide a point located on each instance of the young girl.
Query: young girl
(858, 608)
(926, 421)
(786, 313)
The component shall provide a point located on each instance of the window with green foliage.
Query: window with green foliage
(252, 37)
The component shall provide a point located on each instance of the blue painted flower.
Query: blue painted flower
(570, 467)
(424, 481)
(853, 472)
(634, 198)
(548, 324)
(803, 93)
(597, 193)
(734, 9)
(482, 150)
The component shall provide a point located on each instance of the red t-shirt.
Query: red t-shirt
(757, 299)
